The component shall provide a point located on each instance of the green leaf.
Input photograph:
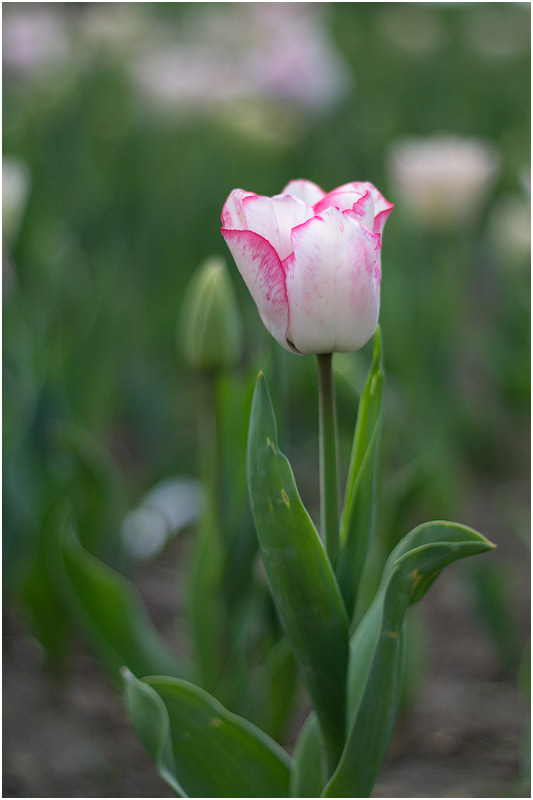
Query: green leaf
(358, 513)
(376, 648)
(112, 614)
(149, 717)
(96, 490)
(301, 579)
(40, 593)
(282, 686)
(307, 768)
(200, 748)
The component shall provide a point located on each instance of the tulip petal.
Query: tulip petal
(361, 207)
(233, 217)
(382, 207)
(333, 284)
(342, 200)
(264, 276)
(273, 218)
(381, 218)
(363, 211)
(304, 190)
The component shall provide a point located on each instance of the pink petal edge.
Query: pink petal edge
(233, 217)
(263, 273)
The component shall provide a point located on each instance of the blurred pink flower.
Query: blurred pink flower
(33, 41)
(311, 261)
(277, 51)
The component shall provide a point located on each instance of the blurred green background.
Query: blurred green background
(125, 128)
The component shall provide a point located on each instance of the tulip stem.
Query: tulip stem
(329, 482)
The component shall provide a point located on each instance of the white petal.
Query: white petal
(333, 284)
(273, 218)
(304, 190)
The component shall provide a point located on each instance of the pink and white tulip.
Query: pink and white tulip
(311, 261)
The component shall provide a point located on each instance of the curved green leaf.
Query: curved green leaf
(282, 686)
(301, 579)
(149, 717)
(112, 614)
(97, 488)
(39, 588)
(376, 649)
(358, 512)
(307, 768)
(200, 748)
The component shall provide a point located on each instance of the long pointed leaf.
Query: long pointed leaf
(376, 648)
(301, 579)
(112, 613)
(307, 768)
(200, 748)
(358, 513)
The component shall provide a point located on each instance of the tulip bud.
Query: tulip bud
(210, 330)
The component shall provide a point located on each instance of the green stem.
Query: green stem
(329, 482)
(207, 443)
(205, 610)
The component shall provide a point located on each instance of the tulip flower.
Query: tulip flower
(311, 261)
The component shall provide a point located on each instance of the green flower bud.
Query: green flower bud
(210, 328)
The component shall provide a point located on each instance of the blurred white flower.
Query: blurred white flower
(413, 28)
(16, 184)
(173, 504)
(35, 41)
(442, 180)
(223, 54)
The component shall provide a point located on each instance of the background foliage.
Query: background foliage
(130, 124)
